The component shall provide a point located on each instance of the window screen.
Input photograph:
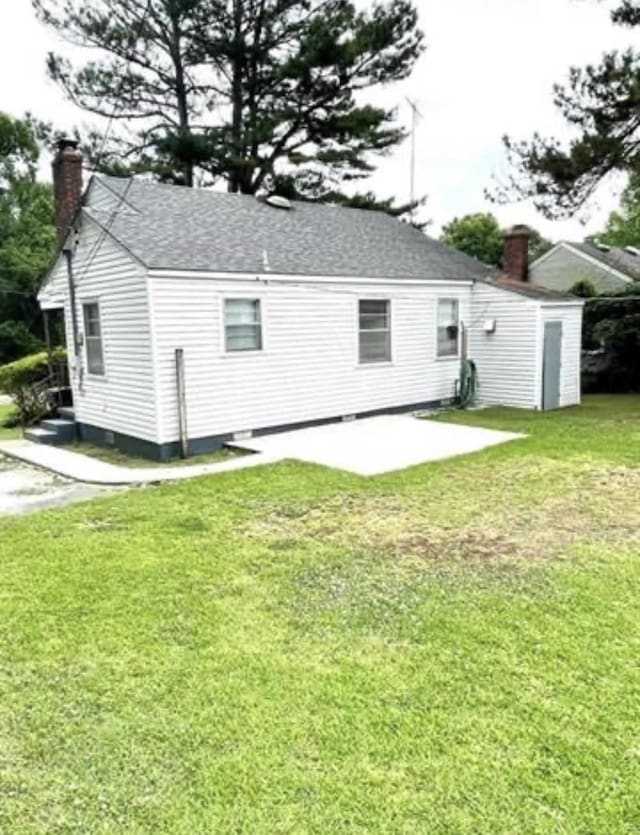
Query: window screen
(242, 325)
(448, 328)
(374, 318)
(93, 338)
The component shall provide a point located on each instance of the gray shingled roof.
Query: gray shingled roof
(172, 227)
(615, 257)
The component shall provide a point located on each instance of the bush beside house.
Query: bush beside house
(611, 343)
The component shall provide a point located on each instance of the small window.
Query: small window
(93, 338)
(242, 325)
(448, 328)
(374, 318)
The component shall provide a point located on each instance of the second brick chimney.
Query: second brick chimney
(67, 184)
(516, 253)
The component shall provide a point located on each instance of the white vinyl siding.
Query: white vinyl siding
(448, 328)
(123, 399)
(310, 367)
(507, 360)
(374, 328)
(242, 325)
(93, 338)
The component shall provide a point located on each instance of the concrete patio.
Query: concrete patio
(366, 447)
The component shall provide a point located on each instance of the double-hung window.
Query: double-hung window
(448, 328)
(242, 325)
(93, 338)
(374, 323)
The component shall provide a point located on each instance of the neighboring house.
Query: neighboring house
(284, 315)
(608, 269)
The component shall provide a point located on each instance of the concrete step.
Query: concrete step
(41, 436)
(64, 429)
(66, 412)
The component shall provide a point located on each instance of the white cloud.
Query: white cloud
(489, 70)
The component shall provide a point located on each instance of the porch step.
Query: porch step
(41, 436)
(64, 429)
(52, 431)
(66, 412)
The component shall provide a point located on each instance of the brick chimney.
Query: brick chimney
(67, 184)
(516, 253)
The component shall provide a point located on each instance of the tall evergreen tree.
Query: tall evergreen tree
(247, 91)
(602, 102)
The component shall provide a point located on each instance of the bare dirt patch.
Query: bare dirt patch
(533, 513)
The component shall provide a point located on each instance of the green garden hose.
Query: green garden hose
(468, 383)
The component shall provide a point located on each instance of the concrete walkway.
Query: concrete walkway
(367, 447)
(90, 470)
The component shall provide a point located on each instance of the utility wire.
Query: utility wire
(117, 104)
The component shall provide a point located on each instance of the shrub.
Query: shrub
(584, 289)
(614, 325)
(20, 381)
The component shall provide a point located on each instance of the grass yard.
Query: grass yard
(451, 650)
(8, 433)
(122, 459)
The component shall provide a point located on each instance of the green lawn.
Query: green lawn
(6, 433)
(451, 650)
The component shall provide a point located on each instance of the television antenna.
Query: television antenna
(415, 116)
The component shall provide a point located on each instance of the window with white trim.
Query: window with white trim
(242, 325)
(374, 323)
(448, 327)
(93, 338)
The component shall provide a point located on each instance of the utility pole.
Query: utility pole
(415, 115)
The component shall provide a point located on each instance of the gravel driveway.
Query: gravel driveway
(24, 488)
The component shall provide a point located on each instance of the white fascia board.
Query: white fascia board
(547, 254)
(267, 278)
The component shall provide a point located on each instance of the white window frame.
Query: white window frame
(456, 355)
(244, 297)
(85, 304)
(390, 329)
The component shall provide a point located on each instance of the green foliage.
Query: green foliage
(614, 324)
(18, 379)
(584, 289)
(16, 340)
(480, 236)
(27, 234)
(601, 104)
(285, 80)
(623, 226)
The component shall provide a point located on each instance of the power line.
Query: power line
(117, 104)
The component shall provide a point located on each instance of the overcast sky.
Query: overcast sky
(488, 70)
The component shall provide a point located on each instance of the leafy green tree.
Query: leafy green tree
(602, 104)
(623, 226)
(479, 235)
(27, 236)
(240, 90)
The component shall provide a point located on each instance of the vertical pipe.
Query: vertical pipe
(182, 403)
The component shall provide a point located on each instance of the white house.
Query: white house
(609, 269)
(193, 316)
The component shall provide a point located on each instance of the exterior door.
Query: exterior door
(551, 365)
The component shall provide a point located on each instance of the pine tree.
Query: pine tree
(248, 91)
(602, 102)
